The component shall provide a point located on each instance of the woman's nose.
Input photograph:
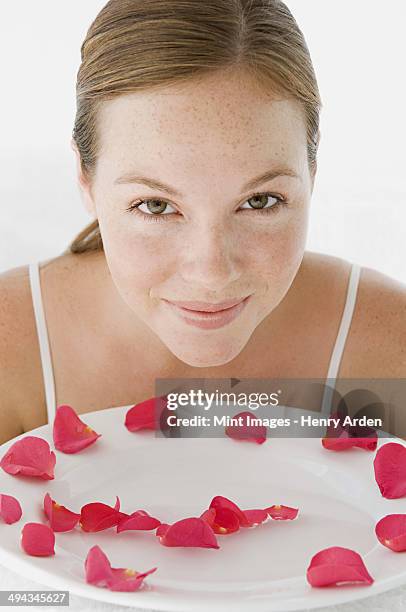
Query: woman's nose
(212, 258)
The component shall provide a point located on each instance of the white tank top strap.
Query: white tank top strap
(43, 340)
(341, 338)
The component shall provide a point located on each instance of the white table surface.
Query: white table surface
(393, 600)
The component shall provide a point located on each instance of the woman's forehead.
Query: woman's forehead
(154, 124)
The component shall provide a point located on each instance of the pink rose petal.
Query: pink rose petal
(335, 566)
(97, 567)
(149, 414)
(30, 456)
(391, 531)
(282, 512)
(345, 441)
(162, 529)
(100, 573)
(38, 540)
(224, 516)
(219, 502)
(10, 509)
(70, 433)
(192, 531)
(60, 518)
(390, 470)
(221, 520)
(126, 579)
(209, 515)
(138, 520)
(256, 517)
(349, 436)
(250, 433)
(97, 516)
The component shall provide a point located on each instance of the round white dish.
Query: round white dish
(257, 569)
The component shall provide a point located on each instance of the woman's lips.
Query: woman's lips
(208, 320)
(206, 306)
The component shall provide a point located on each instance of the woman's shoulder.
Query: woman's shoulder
(20, 367)
(380, 327)
(15, 308)
(67, 282)
(20, 361)
(376, 343)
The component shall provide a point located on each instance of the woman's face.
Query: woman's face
(203, 237)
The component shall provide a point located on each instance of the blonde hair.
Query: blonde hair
(135, 45)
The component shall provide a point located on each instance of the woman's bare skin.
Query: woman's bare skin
(95, 369)
(203, 158)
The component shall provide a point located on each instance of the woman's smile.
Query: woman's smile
(209, 320)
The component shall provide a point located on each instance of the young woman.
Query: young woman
(196, 138)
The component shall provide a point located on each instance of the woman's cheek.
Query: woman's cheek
(280, 243)
(133, 257)
(139, 261)
(275, 260)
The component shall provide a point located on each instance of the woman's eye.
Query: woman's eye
(155, 209)
(260, 201)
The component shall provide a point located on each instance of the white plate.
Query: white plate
(255, 569)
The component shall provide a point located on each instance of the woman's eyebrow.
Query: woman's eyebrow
(154, 183)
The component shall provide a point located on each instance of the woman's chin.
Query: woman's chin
(209, 355)
(201, 361)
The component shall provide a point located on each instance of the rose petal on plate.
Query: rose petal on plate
(338, 443)
(335, 566)
(209, 516)
(222, 520)
(390, 470)
(338, 438)
(70, 433)
(38, 540)
(349, 436)
(364, 436)
(138, 520)
(391, 531)
(162, 529)
(30, 456)
(246, 518)
(256, 517)
(220, 502)
(10, 509)
(341, 430)
(367, 443)
(60, 518)
(347, 441)
(149, 414)
(97, 567)
(191, 531)
(100, 573)
(127, 579)
(251, 433)
(97, 516)
(281, 512)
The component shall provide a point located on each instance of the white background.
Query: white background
(359, 205)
